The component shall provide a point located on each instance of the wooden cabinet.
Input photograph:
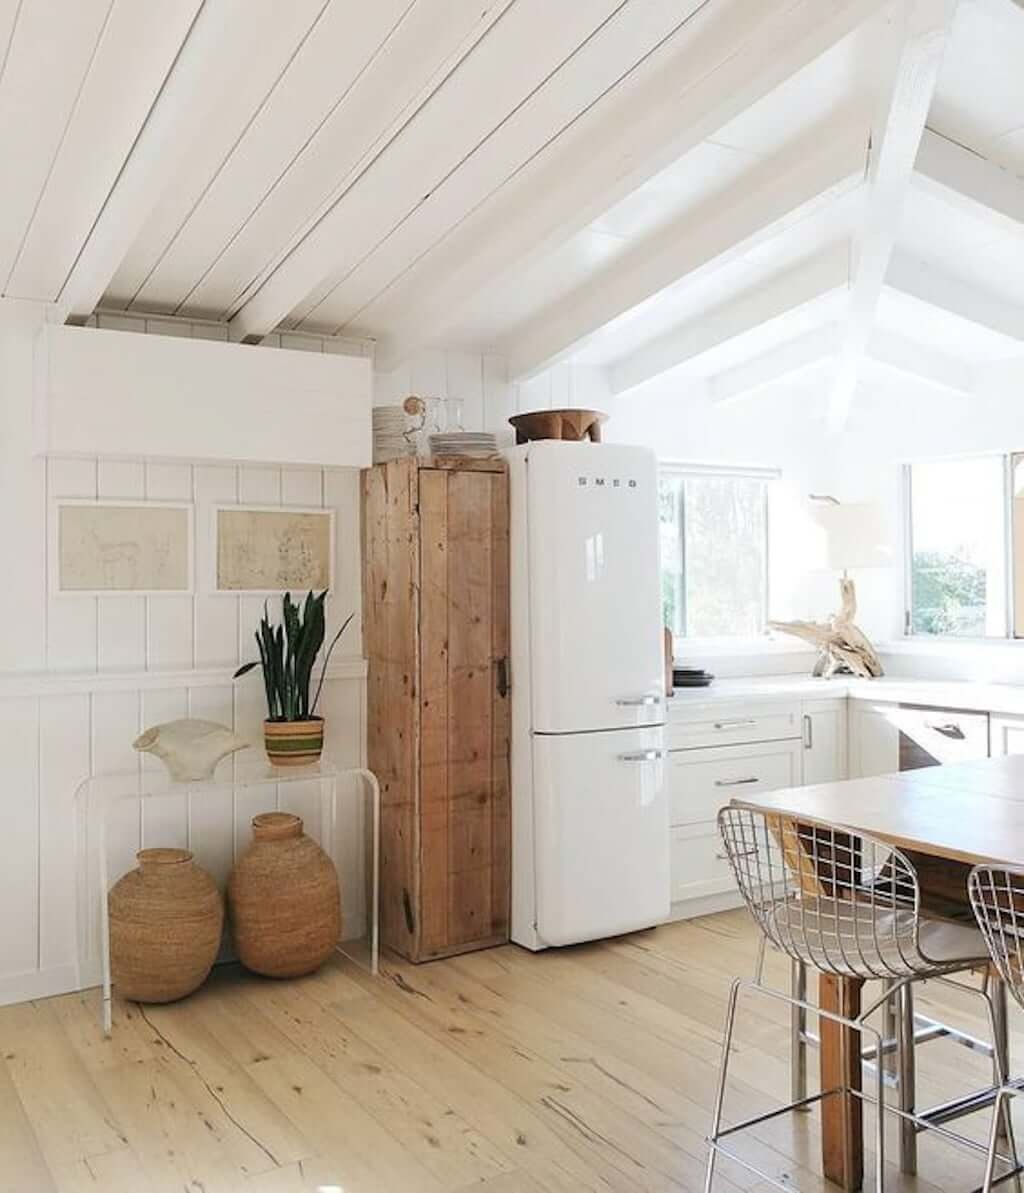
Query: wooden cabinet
(823, 723)
(435, 618)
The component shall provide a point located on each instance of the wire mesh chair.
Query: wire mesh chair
(849, 906)
(997, 899)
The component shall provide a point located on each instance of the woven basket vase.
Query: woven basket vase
(165, 927)
(283, 900)
(294, 743)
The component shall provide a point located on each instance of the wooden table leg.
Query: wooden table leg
(842, 1120)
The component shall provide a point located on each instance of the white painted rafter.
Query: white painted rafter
(174, 121)
(915, 279)
(698, 81)
(920, 32)
(780, 299)
(777, 199)
(969, 182)
(782, 362)
(920, 361)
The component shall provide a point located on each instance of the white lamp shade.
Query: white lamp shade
(858, 535)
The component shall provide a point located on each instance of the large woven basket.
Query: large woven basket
(165, 927)
(283, 900)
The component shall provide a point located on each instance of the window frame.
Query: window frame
(688, 469)
(1012, 632)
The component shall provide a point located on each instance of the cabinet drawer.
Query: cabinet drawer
(731, 724)
(699, 866)
(702, 781)
(936, 736)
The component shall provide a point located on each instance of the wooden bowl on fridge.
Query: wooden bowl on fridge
(558, 424)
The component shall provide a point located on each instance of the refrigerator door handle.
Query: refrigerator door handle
(643, 756)
(638, 701)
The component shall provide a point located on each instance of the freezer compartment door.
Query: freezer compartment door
(601, 824)
(596, 639)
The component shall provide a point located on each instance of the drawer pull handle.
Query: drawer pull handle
(638, 701)
(950, 729)
(736, 782)
(642, 756)
(735, 724)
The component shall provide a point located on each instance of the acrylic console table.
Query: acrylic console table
(120, 813)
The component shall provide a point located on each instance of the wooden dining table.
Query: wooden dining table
(946, 819)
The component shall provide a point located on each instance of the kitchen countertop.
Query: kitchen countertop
(960, 694)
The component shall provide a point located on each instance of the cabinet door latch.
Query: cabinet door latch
(502, 677)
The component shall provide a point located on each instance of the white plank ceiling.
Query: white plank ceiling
(729, 192)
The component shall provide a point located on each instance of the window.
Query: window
(714, 553)
(958, 573)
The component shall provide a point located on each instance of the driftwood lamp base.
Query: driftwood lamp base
(842, 644)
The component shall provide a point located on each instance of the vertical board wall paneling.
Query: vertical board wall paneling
(19, 924)
(55, 740)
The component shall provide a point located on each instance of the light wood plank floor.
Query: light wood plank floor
(588, 1069)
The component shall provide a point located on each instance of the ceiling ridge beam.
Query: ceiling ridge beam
(920, 32)
(725, 60)
(796, 288)
(970, 182)
(910, 276)
(785, 360)
(754, 211)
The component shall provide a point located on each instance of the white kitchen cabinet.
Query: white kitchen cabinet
(700, 782)
(823, 723)
(874, 739)
(1006, 735)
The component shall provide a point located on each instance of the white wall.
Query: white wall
(81, 676)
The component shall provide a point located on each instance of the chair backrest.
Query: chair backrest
(997, 897)
(842, 902)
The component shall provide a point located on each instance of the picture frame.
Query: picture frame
(296, 550)
(109, 547)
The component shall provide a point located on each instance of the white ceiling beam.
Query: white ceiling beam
(786, 360)
(757, 209)
(969, 182)
(921, 362)
(780, 298)
(920, 33)
(173, 123)
(729, 56)
(910, 276)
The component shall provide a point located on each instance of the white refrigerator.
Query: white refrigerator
(590, 817)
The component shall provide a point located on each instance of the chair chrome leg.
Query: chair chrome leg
(798, 1032)
(1000, 1043)
(889, 1008)
(880, 1120)
(998, 1111)
(907, 1076)
(723, 1074)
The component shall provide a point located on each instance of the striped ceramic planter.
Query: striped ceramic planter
(294, 743)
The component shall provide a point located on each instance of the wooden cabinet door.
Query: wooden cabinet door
(464, 841)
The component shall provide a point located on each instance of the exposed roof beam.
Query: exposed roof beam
(969, 182)
(921, 30)
(727, 58)
(778, 299)
(756, 210)
(173, 123)
(912, 277)
(787, 359)
(920, 362)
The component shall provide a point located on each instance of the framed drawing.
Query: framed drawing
(272, 549)
(127, 548)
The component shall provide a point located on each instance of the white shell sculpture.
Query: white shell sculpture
(189, 749)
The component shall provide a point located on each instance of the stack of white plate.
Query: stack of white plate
(477, 444)
(389, 440)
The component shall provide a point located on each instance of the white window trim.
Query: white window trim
(741, 643)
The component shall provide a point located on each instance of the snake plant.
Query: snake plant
(288, 654)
